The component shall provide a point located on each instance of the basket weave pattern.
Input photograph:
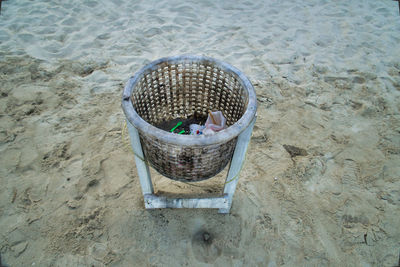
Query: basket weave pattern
(187, 163)
(181, 90)
(178, 89)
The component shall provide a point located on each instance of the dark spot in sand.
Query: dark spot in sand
(358, 79)
(355, 105)
(87, 70)
(206, 237)
(38, 102)
(30, 111)
(295, 151)
(92, 183)
(204, 247)
(203, 237)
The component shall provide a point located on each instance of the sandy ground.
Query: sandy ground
(327, 76)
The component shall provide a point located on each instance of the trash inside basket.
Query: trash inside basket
(181, 87)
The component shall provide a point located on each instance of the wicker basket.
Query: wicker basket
(179, 87)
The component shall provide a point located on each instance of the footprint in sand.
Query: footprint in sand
(204, 248)
(351, 172)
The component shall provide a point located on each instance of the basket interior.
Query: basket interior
(183, 89)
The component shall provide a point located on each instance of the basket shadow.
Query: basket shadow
(211, 187)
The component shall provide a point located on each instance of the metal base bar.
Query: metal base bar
(152, 201)
(223, 203)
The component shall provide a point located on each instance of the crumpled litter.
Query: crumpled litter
(196, 129)
(214, 124)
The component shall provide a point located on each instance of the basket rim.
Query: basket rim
(189, 140)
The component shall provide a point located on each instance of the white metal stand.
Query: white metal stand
(223, 203)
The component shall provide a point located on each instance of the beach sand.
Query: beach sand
(327, 77)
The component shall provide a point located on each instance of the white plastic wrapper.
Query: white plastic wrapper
(211, 127)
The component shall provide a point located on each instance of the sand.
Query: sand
(320, 186)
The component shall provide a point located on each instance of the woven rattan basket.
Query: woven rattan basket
(182, 86)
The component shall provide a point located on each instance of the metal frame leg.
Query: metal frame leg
(141, 165)
(237, 162)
